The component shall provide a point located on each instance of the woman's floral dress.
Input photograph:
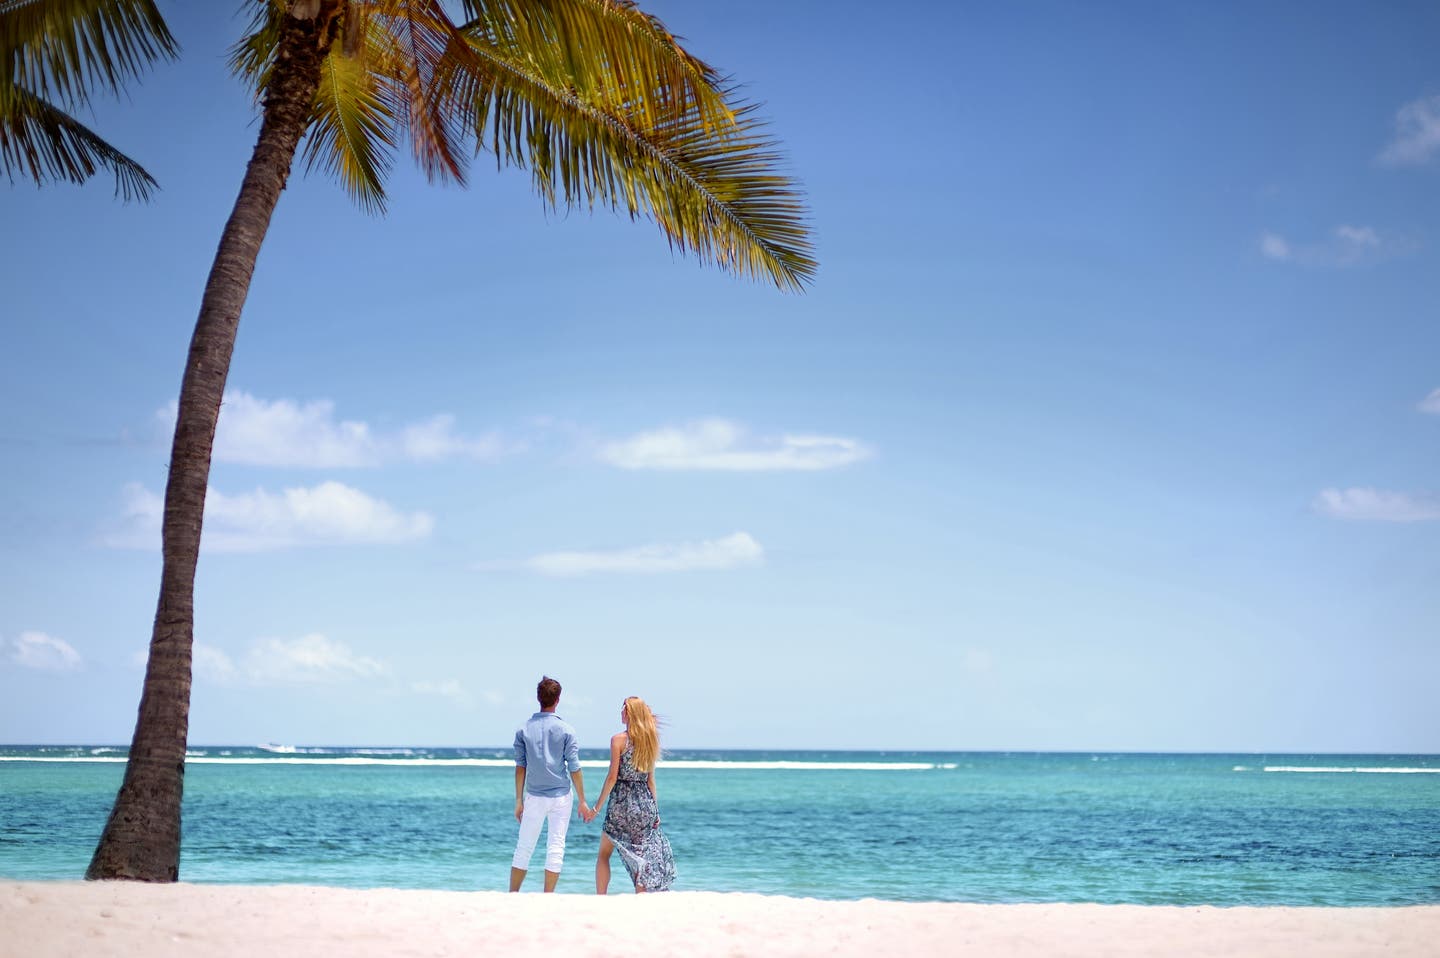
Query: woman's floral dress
(632, 820)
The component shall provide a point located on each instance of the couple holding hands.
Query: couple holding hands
(546, 750)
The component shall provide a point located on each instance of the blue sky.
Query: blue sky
(1112, 420)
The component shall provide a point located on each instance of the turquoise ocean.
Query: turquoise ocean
(1184, 829)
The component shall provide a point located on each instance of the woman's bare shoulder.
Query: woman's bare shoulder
(620, 738)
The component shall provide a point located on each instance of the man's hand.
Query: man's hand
(519, 808)
(587, 814)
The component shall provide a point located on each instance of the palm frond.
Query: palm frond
(417, 62)
(253, 55)
(611, 52)
(61, 50)
(45, 143)
(596, 98)
(394, 52)
(352, 130)
(719, 194)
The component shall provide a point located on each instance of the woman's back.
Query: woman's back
(628, 772)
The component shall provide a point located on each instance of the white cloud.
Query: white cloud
(36, 650)
(444, 689)
(1378, 505)
(724, 445)
(328, 514)
(1417, 134)
(1431, 403)
(1343, 246)
(282, 432)
(212, 664)
(1357, 237)
(727, 552)
(1274, 247)
(310, 659)
(435, 439)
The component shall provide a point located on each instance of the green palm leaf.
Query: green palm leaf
(594, 97)
(44, 143)
(61, 50)
(610, 52)
(392, 53)
(352, 131)
(716, 192)
(58, 52)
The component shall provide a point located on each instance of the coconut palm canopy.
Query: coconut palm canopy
(55, 55)
(595, 97)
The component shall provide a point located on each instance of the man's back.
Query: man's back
(546, 747)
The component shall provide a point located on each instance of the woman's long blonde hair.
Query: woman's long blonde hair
(644, 735)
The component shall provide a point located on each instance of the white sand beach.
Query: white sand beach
(42, 919)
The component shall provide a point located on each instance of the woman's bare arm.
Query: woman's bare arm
(617, 746)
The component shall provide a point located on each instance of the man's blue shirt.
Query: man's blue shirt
(546, 747)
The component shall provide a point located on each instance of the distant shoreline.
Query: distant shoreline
(862, 760)
(285, 749)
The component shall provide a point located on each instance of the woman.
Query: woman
(632, 819)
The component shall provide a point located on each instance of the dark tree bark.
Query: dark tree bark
(141, 840)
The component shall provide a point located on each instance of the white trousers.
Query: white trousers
(538, 810)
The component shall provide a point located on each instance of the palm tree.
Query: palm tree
(594, 97)
(53, 54)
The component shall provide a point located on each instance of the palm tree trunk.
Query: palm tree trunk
(141, 841)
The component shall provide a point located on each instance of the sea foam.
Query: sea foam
(1354, 768)
(715, 765)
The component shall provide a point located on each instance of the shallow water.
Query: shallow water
(983, 827)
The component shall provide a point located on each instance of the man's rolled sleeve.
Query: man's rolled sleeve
(572, 754)
(520, 748)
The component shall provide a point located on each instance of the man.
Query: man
(545, 749)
